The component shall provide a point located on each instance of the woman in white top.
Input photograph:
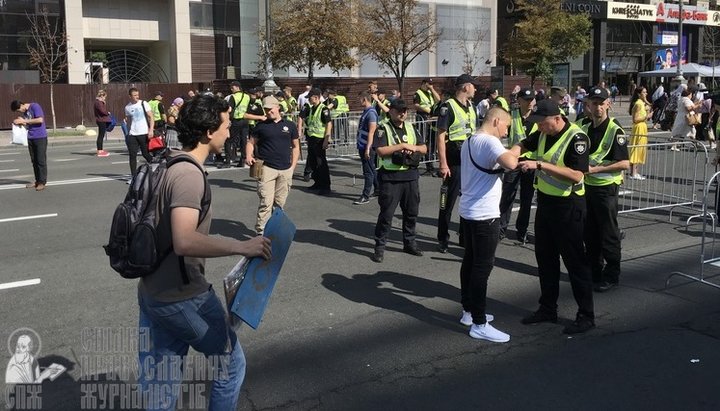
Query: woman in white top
(681, 128)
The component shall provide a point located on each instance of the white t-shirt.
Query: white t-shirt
(480, 199)
(138, 121)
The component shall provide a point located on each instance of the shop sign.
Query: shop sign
(596, 9)
(669, 13)
(631, 11)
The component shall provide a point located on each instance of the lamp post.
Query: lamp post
(269, 84)
(679, 76)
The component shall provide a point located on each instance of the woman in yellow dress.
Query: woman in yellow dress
(640, 111)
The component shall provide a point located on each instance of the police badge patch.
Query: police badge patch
(405, 138)
(443, 111)
(580, 147)
(621, 140)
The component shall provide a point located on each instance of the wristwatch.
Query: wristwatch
(539, 165)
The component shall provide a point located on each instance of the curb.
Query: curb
(62, 141)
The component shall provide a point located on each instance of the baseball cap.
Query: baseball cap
(159, 93)
(545, 108)
(270, 102)
(466, 78)
(280, 94)
(398, 105)
(314, 92)
(427, 80)
(526, 94)
(598, 93)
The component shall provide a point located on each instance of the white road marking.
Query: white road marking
(60, 160)
(6, 161)
(119, 162)
(29, 217)
(66, 182)
(22, 283)
(518, 208)
(10, 170)
(10, 153)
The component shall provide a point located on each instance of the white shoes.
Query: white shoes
(466, 318)
(489, 333)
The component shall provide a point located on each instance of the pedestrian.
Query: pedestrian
(484, 105)
(580, 94)
(275, 143)
(400, 149)
(140, 124)
(483, 160)
(425, 101)
(316, 122)
(607, 161)
(639, 110)
(659, 102)
(682, 129)
(102, 118)
(520, 128)
(190, 95)
(178, 306)
(562, 160)
(303, 97)
(31, 116)
(239, 125)
(172, 115)
(158, 109)
(368, 158)
(456, 123)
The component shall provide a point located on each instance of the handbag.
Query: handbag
(19, 135)
(693, 118)
(156, 142)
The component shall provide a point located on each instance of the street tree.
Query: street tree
(395, 32)
(310, 33)
(711, 47)
(48, 51)
(468, 44)
(546, 35)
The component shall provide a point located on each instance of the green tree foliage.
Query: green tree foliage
(545, 36)
(395, 32)
(311, 33)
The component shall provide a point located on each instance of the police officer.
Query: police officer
(158, 111)
(557, 94)
(316, 121)
(292, 104)
(562, 160)
(425, 101)
(520, 128)
(501, 102)
(239, 127)
(338, 112)
(608, 158)
(399, 149)
(456, 123)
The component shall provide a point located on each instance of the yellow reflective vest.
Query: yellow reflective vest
(596, 158)
(463, 123)
(242, 101)
(393, 138)
(548, 184)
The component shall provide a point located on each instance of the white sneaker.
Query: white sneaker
(488, 332)
(466, 318)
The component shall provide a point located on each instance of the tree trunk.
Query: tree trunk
(52, 106)
(311, 66)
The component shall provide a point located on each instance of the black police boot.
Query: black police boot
(378, 255)
(582, 324)
(541, 316)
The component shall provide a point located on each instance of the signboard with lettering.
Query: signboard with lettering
(669, 13)
(595, 9)
(631, 11)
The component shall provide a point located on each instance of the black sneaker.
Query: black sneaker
(361, 200)
(443, 247)
(413, 250)
(378, 255)
(540, 316)
(523, 238)
(603, 286)
(582, 324)
(307, 177)
(375, 194)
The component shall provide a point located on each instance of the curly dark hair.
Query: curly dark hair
(197, 117)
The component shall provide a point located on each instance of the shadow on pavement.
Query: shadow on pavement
(232, 229)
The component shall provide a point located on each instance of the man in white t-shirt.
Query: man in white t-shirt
(140, 124)
(483, 158)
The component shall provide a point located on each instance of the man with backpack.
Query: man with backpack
(177, 304)
(140, 122)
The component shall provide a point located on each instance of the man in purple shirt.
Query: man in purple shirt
(33, 118)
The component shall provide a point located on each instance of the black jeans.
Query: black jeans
(102, 129)
(511, 181)
(444, 216)
(559, 226)
(602, 234)
(38, 156)
(317, 162)
(133, 143)
(481, 240)
(392, 193)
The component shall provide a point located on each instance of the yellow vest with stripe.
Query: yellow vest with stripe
(517, 133)
(502, 103)
(392, 139)
(241, 104)
(596, 158)
(342, 106)
(154, 106)
(381, 114)
(550, 185)
(315, 127)
(463, 123)
(426, 101)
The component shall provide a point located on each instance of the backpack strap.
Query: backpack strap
(204, 204)
(483, 169)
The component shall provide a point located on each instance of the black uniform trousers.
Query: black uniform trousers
(559, 226)
(602, 234)
(38, 156)
(317, 162)
(392, 193)
(444, 216)
(511, 181)
(239, 131)
(481, 240)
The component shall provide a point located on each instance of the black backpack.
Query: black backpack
(133, 248)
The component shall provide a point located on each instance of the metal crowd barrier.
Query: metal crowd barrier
(674, 173)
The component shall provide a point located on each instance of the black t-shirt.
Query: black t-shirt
(618, 150)
(308, 110)
(274, 142)
(381, 140)
(577, 154)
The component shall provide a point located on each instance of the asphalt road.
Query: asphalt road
(344, 333)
